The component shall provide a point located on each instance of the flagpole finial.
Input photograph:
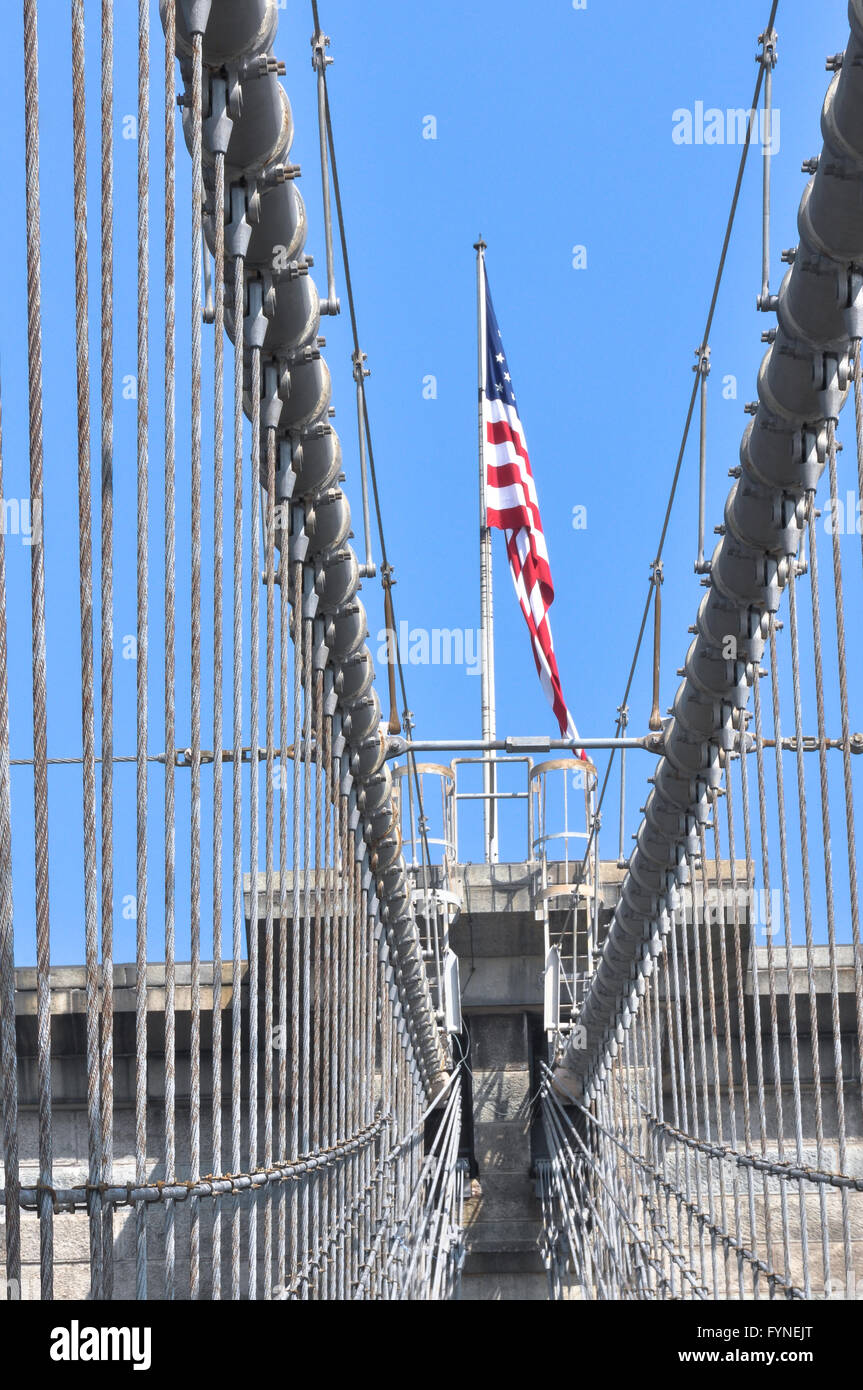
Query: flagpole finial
(480, 245)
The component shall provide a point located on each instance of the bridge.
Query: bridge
(386, 1071)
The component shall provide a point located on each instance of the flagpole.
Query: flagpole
(489, 713)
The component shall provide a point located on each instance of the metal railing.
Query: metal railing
(556, 799)
(542, 831)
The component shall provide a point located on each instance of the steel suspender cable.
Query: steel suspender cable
(8, 1048)
(85, 562)
(254, 794)
(284, 789)
(237, 790)
(106, 619)
(296, 571)
(269, 880)
(218, 690)
(142, 665)
(195, 629)
(37, 592)
(359, 991)
(170, 655)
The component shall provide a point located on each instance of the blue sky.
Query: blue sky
(553, 131)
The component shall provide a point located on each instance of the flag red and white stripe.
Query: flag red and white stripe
(512, 506)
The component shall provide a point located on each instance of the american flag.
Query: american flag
(512, 506)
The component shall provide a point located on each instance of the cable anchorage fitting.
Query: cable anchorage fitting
(320, 58)
(769, 55)
(702, 370)
(387, 582)
(766, 302)
(359, 359)
(368, 569)
(657, 578)
(320, 62)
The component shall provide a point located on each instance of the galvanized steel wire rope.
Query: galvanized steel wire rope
(678, 1141)
(325, 1148)
(760, 1215)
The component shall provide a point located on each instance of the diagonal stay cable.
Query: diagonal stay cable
(714, 299)
(386, 568)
